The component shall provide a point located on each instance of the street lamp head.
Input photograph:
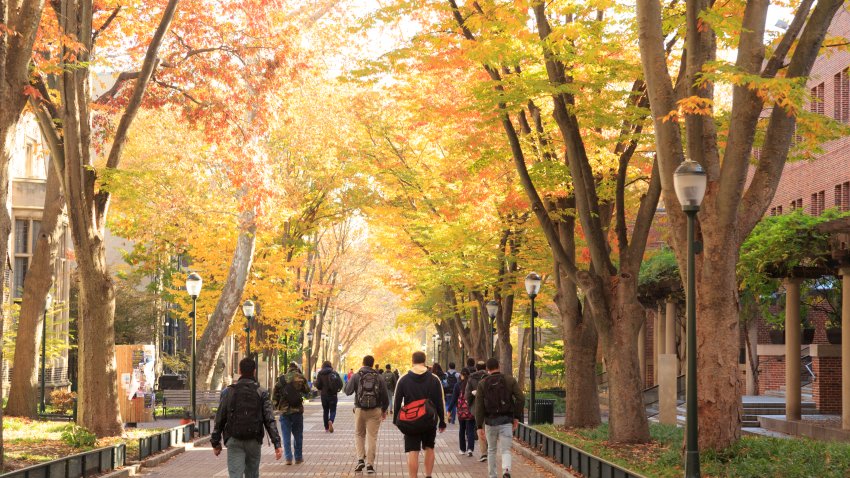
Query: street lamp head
(48, 301)
(532, 284)
(309, 336)
(447, 337)
(324, 336)
(436, 336)
(248, 308)
(339, 347)
(492, 308)
(689, 181)
(193, 285)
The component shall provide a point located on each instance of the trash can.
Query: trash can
(544, 411)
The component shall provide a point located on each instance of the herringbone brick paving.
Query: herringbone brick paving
(332, 454)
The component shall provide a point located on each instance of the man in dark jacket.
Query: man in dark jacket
(498, 410)
(288, 397)
(418, 384)
(243, 454)
(329, 383)
(390, 380)
(370, 409)
(479, 372)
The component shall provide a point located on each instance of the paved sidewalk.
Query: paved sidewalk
(332, 455)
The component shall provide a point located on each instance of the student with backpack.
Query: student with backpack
(390, 379)
(498, 410)
(243, 412)
(288, 397)
(452, 378)
(370, 409)
(329, 383)
(466, 431)
(470, 391)
(420, 411)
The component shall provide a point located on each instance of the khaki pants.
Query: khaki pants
(366, 425)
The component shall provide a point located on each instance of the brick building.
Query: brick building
(814, 186)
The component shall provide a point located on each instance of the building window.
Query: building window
(26, 235)
(842, 196)
(842, 96)
(797, 204)
(816, 105)
(779, 210)
(817, 205)
(773, 211)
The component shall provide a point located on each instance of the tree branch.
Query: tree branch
(105, 25)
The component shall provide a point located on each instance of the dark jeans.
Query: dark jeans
(466, 435)
(452, 410)
(292, 426)
(329, 409)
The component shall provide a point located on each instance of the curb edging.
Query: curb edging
(541, 461)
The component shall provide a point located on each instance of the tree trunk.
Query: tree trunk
(98, 385)
(580, 344)
(627, 416)
(522, 368)
(719, 379)
(23, 394)
(231, 295)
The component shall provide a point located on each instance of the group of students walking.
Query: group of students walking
(487, 403)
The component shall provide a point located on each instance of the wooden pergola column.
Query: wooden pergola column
(793, 393)
(845, 347)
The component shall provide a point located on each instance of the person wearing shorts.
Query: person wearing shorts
(417, 384)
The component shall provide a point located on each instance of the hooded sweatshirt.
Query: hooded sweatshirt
(323, 381)
(417, 384)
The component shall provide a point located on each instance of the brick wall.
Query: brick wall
(826, 389)
(771, 373)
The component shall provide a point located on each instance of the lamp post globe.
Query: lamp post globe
(48, 303)
(492, 310)
(532, 287)
(309, 336)
(690, 181)
(194, 283)
(248, 311)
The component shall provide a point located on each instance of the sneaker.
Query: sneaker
(507, 474)
(370, 470)
(288, 461)
(360, 465)
(469, 453)
(331, 427)
(462, 453)
(299, 461)
(483, 458)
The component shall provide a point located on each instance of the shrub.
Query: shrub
(78, 437)
(62, 400)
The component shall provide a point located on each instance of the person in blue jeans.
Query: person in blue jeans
(288, 397)
(329, 383)
(466, 431)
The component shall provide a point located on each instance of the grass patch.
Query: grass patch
(750, 457)
(29, 442)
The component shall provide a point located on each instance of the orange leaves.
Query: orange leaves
(692, 105)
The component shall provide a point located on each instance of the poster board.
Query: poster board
(135, 367)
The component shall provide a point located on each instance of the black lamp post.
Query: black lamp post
(248, 311)
(492, 310)
(436, 340)
(193, 287)
(48, 302)
(285, 351)
(339, 356)
(309, 352)
(532, 287)
(689, 181)
(324, 346)
(447, 337)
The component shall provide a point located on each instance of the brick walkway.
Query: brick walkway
(328, 454)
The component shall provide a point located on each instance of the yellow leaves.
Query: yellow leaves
(692, 105)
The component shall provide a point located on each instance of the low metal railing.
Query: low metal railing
(204, 427)
(164, 440)
(90, 463)
(566, 455)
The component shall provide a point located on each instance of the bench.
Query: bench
(183, 398)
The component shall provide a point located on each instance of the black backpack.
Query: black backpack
(474, 380)
(367, 390)
(390, 380)
(498, 400)
(289, 395)
(334, 383)
(451, 381)
(245, 416)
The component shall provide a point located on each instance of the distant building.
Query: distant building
(28, 175)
